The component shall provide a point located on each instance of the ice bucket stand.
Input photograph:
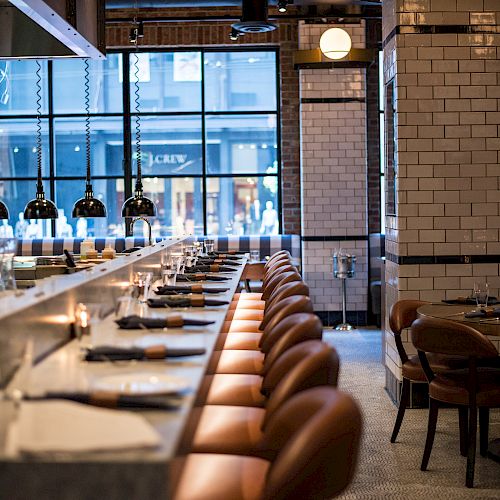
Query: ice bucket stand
(343, 268)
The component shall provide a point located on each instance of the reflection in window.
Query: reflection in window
(242, 205)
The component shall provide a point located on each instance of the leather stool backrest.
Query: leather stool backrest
(288, 289)
(292, 330)
(271, 265)
(282, 278)
(308, 364)
(282, 268)
(403, 314)
(317, 434)
(282, 309)
(450, 337)
(276, 256)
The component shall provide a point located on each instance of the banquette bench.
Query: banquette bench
(266, 245)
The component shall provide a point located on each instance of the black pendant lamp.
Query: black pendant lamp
(88, 206)
(138, 205)
(39, 208)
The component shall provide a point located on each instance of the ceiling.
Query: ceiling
(145, 4)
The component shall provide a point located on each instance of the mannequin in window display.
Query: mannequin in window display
(269, 220)
(34, 230)
(21, 226)
(6, 230)
(64, 230)
(81, 228)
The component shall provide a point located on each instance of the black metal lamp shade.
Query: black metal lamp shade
(4, 211)
(40, 208)
(138, 205)
(89, 206)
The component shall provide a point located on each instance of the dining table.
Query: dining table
(135, 473)
(489, 326)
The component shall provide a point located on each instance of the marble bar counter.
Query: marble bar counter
(132, 474)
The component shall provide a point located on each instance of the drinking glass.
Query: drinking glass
(209, 246)
(481, 292)
(254, 255)
(142, 283)
(179, 263)
(168, 274)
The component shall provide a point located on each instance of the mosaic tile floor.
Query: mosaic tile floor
(392, 471)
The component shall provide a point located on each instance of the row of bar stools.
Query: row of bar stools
(270, 360)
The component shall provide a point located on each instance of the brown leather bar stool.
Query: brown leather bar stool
(471, 389)
(279, 293)
(238, 429)
(291, 330)
(253, 390)
(313, 442)
(403, 314)
(287, 306)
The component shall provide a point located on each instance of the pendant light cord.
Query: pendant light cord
(87, 123)
(138, 184)
(39, 185)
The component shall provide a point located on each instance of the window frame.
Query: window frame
(128, 129)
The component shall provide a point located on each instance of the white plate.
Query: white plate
(141, 384)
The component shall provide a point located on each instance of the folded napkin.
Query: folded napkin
(178, 301)
(113, 400)
(213, 268)
(200, 277)
(484, 313)
(207, 262)
(469, 300)
(111, 353)
(173, 289)
(229, 254)
(135, 322)
(65, 426)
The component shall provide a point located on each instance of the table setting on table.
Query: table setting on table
(143, 355)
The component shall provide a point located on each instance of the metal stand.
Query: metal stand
(344, 326)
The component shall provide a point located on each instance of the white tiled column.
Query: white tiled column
(447, 129)
(333, 173)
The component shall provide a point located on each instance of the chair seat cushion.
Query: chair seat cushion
(451, 387)
(440, 363)
(243, 340)
(250, 296)
(232, 430)
(248, 314)
(242, 325)
(240, 361)
(222, 477)
(251, 304)
(235, 389)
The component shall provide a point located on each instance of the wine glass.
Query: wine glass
(481, 292)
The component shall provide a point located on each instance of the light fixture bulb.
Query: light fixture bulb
(282, 6)
(234, 35)
(335, 43)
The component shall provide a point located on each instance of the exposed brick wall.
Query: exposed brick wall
(216, 33)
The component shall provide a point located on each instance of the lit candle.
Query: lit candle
(82, 320)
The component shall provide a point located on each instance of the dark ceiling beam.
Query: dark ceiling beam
(316, 13)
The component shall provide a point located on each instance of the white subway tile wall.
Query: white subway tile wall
(447, 143)
(333, 174)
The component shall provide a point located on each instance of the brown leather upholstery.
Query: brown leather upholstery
(290, 331)
(279, 269)
(282, 261)
(246, 314)
(242, 340)
(306, 365)
(287, 290)
(288, 306)
(312, 365)
(277, 256)
(280, 279)
(471, 389)
(313, 442)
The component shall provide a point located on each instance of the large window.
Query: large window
(209, 140)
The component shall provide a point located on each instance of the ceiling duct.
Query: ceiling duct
(52, 29)
(254, 17)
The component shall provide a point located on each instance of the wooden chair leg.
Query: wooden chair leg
(471, 452)
(431, 431)
(484, 420)
(463, 422)
(403, 403)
